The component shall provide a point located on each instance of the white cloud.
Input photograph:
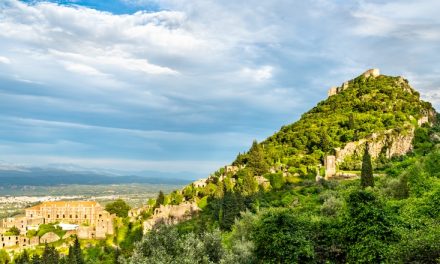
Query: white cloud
(82, 69)
(4, 60)
(261, 74)
(403, 19)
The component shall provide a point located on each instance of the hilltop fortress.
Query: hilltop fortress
(369, 73)
(86, 219)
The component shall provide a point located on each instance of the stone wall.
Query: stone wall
(85, 232)
(371, 73)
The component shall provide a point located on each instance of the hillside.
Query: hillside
(365, 106)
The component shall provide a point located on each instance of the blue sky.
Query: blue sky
(184, 85)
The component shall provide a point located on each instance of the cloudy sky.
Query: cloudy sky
(184, 85)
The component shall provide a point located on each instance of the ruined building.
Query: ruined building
(89, 218)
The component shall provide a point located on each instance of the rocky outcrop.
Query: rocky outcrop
(391, 143)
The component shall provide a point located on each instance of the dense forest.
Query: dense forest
(295, 217)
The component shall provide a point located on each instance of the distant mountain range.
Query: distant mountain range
(20, 175)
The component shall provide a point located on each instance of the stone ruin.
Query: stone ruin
(369, 73)
(171, 214)
(330, 166)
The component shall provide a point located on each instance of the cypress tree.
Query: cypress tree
(367, 169)
(23, 258)
(36, 259)
(160, 199)
(50, 255)
(75, 254)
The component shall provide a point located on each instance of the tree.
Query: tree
(75, 254)
(257, 162)
(166, 245)
(231, 206)
(368, 228)
(280, 236)
(4, 257)
(14, 231)
(118, 207)
(36, 259)
(160, 200)
(50, 255)
(367, 169)
(23, 258)
(351, 123)
(247, 184)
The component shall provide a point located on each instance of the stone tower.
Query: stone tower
(330, 166)
(372, 73)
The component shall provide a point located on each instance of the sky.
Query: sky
(185, 85)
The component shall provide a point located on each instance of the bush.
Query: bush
(331, 206)
(280, 236)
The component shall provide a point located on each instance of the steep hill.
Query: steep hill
(380, 109)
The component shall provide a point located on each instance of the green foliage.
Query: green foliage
(367, 179)
(160, 200)
(118, 207)
(280, 236)
(276, 180)
(75, 255)
(23, 258)
(132, 235)
(4, 257)
(13, 231)
(418, 246)
(368, 228)
(166, 245)
(332, 206)
(189, 192)
(256, 160)
(176, 198)
(422, 142)
(46, 228)
(246, 183)
(230, 207)
(51, 256)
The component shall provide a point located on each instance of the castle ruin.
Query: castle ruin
(369, 73)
